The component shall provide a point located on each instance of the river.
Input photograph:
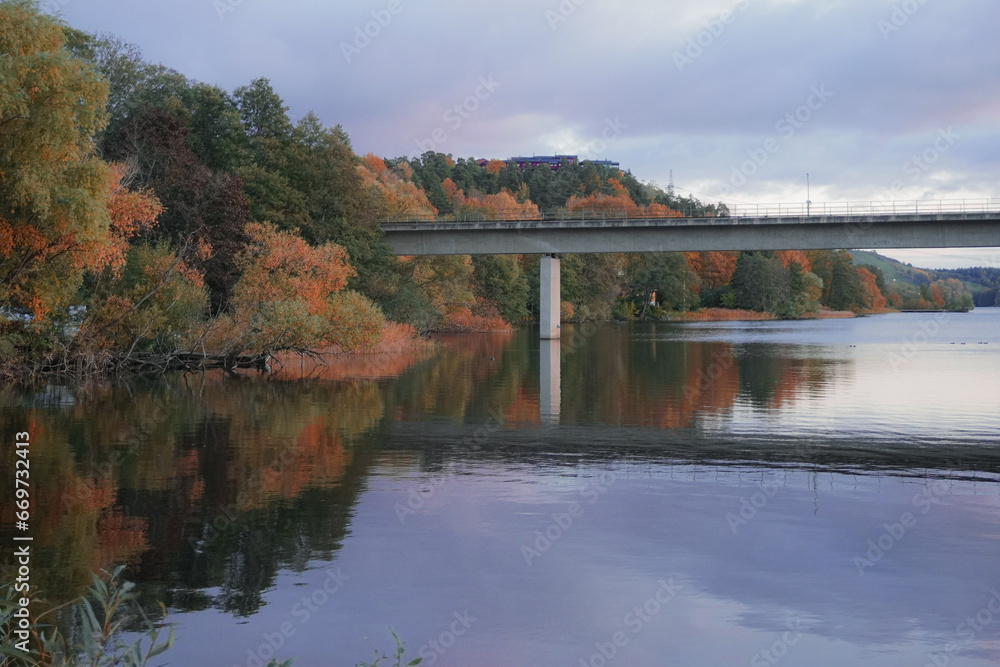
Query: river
(742, 493)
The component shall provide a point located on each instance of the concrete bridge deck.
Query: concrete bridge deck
(788, 232)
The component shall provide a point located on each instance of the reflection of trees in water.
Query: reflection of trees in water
(646, 376)
(472, 374)
(254, 475)
(771, 378)
(219, 483)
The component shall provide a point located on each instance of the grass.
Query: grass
(721, 315)
(103, 615)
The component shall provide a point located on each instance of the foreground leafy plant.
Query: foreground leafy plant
(103, 615)
(398, 655)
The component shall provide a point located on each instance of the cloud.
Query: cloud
(564, 77)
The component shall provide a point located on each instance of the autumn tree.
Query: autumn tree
(131, 212)
(715, 269)
(871, 296)
(501, 206)
(789, 257)
(155, 302)
(291, 296)
(954, 294)
(53, 189)
(402, 198)
(140, 297)
(616, 204)
(200, 208)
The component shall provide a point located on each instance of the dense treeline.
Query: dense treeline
(987, 277)
(144, 214)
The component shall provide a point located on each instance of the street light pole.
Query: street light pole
(808, 198)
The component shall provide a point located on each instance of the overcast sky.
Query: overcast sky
(740, 98)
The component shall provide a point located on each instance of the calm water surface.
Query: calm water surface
(794, 493)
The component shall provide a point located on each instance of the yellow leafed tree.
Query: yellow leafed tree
(53, 189)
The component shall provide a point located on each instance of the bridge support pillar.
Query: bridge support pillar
(550, 301)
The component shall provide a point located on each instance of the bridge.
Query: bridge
(811, 226)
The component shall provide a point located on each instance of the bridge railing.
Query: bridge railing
(797, 209)
(897, 207)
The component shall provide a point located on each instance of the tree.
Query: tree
(132, 82)
(262, 112)
(53, 189)
(616, 204)
(954, 295)
(132, 213)
(871, 296)
(227, 214)
(500, 280)
(154, 303)
(201, 208)
(760, 282)
(288, 297)
(716, 268)
(845, 290)
(667, 274)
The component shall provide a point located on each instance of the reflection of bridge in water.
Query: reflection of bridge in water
(946, 224)
(600, 442)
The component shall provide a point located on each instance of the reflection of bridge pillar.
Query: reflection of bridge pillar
(550, 301)
(549, 381)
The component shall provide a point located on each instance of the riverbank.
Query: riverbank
(737, 315)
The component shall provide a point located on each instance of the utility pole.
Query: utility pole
(808, 198)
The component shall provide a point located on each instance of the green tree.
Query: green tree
(760, 282)
(341, 209)
(845, 291)
(263, 112)
(499, 280)
(665, 274)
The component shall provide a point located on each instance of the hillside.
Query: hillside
(983, 283)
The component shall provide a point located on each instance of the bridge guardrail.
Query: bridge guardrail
(800, 209)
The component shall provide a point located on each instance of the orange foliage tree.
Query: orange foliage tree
(292, 296)
(401, 196)
(143, 296)
(618, 204)
(501, 206)
(872, 296)
(799, 257)
(936, 295)
(715, 269)
(131, 213)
